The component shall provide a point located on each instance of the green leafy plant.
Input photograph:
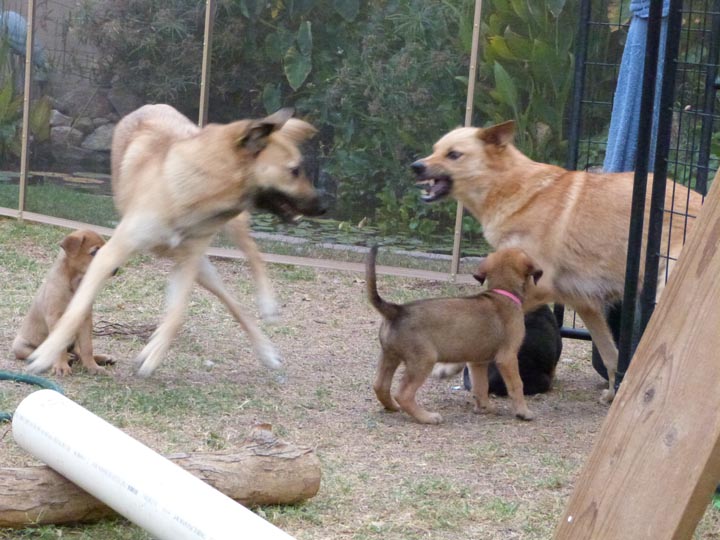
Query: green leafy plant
(527, 71)
(11, 110)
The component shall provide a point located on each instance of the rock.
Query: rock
(59, 119)
(84, 124)
(123, 101)
(100, 139)
(65, 136)
(84, 101)
(75, 156)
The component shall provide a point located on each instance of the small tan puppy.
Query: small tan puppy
(573, 224)
(175, 186)
(53, 297)
(473, 330)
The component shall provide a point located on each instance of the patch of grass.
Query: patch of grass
(436, 502)
(116, 529)
(499, 509)
(306, 513)
(64, 203)
(9, 195)
(294, 273)
(152, 401)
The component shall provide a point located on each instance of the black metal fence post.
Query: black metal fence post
(657, 202)
(632, 272)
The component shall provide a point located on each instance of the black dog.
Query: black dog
(537, 358)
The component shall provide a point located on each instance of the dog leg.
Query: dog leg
(111, 256)
(387, 365)
(239, 230)
(179, 288)
(480, 387)
(83, 348)
(21, 348)
(507, 365)
(595, 321)
(209, 279)
(411, 382)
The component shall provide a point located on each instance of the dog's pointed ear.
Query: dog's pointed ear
(298, 130)
(499, 134)
(481, 273)
(72, 243)
(254, 138)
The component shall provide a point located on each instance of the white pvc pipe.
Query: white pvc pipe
(149, 490)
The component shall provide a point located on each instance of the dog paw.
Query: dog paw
(96, 370)
(39, 363)
(607, 396)
(104, 360)
(151, 356)
(61, 369)
(430, 418)
(145, 368)
(525, 415)
(485, 409)
(269, 357)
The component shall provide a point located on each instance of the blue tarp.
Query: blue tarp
(624, 123)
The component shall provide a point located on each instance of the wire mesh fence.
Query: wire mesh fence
(381, 81)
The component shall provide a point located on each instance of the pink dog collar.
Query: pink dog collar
(510, 295)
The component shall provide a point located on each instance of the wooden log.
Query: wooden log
(264, 470)
(656, 461)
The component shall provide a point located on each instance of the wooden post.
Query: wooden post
(205, 69)
(469, 100)
(27, 90)
(656, 461)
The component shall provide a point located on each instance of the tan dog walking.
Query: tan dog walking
(574, 224)
(62, 281)
(475, 330)
(175, 185)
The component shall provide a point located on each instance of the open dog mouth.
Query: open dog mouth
(288, 209)
(434, 189)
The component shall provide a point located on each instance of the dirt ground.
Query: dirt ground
(384, 475)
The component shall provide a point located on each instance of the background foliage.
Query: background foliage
(381, 78)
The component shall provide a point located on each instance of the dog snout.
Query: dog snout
(314, 207)
(419, 167)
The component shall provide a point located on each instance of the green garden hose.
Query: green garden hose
(28, 379)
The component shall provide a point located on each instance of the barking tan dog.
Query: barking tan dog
(473, 330)
(175, 185)
(51, 300)
(573, 224)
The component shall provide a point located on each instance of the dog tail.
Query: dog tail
(387, 309)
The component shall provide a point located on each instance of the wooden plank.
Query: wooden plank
(656, 461)
(229, 253)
